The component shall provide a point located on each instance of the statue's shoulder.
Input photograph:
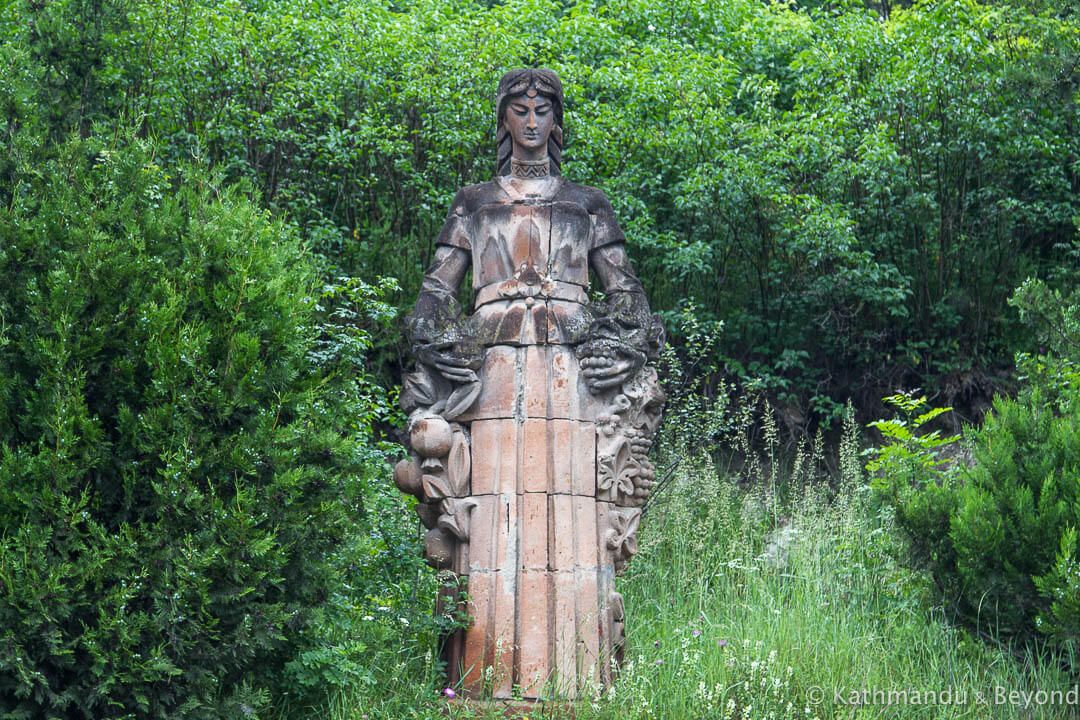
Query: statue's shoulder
(592, 199)
(471, 197)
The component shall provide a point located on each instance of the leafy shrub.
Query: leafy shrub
(176, 476)
(908, 474)
(1018, 506)
(1000, 536)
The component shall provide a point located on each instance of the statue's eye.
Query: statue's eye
(520, 110)
(543, 110)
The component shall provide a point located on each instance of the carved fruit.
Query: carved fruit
(430, 437)
(439, 548)
(407, 477)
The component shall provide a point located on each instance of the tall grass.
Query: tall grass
(770, 591)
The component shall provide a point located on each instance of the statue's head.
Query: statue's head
(525, 97)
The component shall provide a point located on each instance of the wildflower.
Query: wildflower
(657, 643)
(722, 642)
(659, 662)
(449, 692)
(368, 618)
(696, 633)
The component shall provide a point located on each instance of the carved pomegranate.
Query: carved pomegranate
(431, 436)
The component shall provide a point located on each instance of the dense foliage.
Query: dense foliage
(210, 211)
(175, 476)
(999, 534)
(855, 197)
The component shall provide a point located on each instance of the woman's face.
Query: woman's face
(529, 121)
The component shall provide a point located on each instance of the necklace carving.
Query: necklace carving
(530, 168)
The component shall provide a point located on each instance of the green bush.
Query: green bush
(1019, 503)
(999, 536)
(177, 479)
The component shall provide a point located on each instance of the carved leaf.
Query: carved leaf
(461, 399)
(633, 520)
(458, 463)
(436, 487)
(610, 465)
(421, 387)
(612, 539)
(605, 472)
(627, 476)
(622, 537)
(449, 523)
(456, 516)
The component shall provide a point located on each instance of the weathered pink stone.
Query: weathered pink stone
(530, 420)
(535, 619)
(489, 642)
(494, 533)
(534, 531)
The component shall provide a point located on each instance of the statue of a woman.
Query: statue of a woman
(530, 419)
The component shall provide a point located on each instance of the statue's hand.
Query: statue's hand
(455, 372)
(609, 366)
(456, 368)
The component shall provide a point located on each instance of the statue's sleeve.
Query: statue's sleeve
(626, 305)
(607, 254)
(436, 306)
(455, 232)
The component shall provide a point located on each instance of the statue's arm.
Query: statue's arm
(626, 335)
(436, 306)
(611, 264)
(616, 275)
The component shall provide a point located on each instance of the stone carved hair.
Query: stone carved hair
(518, 82)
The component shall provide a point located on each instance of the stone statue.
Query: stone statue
(530, 419)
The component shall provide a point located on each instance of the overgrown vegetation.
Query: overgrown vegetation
(212, 213)
(999, 535)
(855, 196)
